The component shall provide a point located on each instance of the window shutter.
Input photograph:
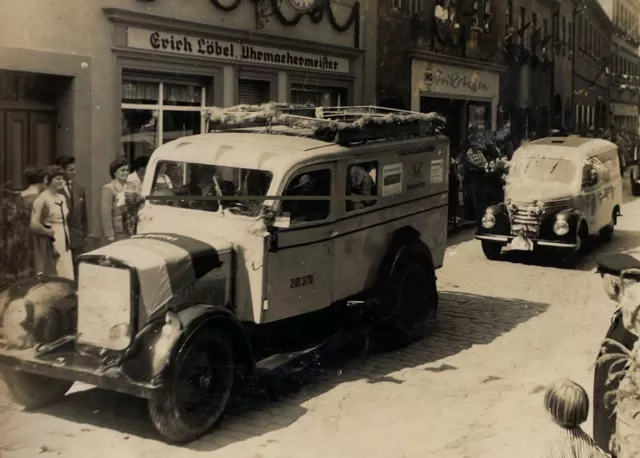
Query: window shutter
(253, 92)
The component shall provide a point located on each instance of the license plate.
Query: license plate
(522, 244)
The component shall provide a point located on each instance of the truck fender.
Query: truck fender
(161, 342)
(401, 240)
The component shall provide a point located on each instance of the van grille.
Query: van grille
(526, 216)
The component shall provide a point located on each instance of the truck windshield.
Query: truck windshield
(210, 187)
(542, 169)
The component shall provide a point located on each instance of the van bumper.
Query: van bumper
(66, 363)
(536, 242)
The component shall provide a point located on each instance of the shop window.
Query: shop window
(253, 92)
(308, 184)
(318, 96)
(361, 182)
(156, 112)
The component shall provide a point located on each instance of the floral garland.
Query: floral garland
(270, 114)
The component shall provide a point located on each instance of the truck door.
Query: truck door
(299, 273)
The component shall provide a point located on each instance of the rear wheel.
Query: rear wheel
(606, 233)
(491, 250)
(197, 390)
(411, 296)
(34, 391)
(633, 176)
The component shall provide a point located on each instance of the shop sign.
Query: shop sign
(187, 45)
(445, 79)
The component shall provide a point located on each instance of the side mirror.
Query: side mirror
(283, 221)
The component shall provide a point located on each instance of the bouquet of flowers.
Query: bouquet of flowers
(499, 167)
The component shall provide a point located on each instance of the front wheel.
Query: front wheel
(491, 250)
(35, 391)
(198, 389)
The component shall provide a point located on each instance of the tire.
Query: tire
(635, 188)
(204, 368)
(411, 295)
(570, 259)
(491, 250)
(35, 391)
(606, 233)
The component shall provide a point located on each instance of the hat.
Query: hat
(303, 181)
(615, 263)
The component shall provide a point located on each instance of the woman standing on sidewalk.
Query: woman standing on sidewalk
(49, 218)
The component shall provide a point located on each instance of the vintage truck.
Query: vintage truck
(279, 231)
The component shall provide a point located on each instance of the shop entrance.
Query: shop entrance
(453, 111)
(28, 119)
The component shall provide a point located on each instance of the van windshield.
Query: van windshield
(542, 169)
(210, 188)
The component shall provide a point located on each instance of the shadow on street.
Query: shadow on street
(275, 403)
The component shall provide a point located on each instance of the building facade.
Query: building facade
(441, 56)
(109, 77)
(591, 57)
(624, 67)
(526, 87)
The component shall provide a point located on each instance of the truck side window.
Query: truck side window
(315, 183)
(362, 181)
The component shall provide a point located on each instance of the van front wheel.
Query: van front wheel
(198, 389)
(491, 250)
(34, 391)
(412, 296)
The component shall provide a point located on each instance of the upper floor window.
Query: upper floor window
(523, 18)
(534, 26)
(509, 18)
(409, 6)
(545, 28)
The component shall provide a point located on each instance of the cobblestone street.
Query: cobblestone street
(471, 388)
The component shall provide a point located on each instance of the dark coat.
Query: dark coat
(604, 419)
(77, 220)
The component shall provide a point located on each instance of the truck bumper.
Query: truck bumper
(536, 242)
(65, 363)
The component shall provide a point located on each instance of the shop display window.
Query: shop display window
(318, 96)
(154, 113)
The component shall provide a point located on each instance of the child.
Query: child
(568, 404)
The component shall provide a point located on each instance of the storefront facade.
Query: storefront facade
(132, 75)
(465, 93)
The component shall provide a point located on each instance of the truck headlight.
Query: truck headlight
(561, 227)
(488, 221)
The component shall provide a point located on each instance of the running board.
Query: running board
(278, 360)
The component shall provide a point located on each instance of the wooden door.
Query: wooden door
(26, 138)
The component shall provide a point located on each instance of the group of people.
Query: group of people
(51, 220)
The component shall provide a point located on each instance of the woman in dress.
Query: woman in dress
(49, 218)
(113, 208)
(25, 257)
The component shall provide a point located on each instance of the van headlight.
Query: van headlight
(561, 227)
(488, 221)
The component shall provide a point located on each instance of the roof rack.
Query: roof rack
(341, 125)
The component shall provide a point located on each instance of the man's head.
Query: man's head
(140, 165)
(68, 163)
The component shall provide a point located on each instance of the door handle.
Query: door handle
(333, 234)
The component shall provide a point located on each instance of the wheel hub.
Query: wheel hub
(205, 381)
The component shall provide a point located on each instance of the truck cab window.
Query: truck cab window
(361, 181)
(308, 184)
